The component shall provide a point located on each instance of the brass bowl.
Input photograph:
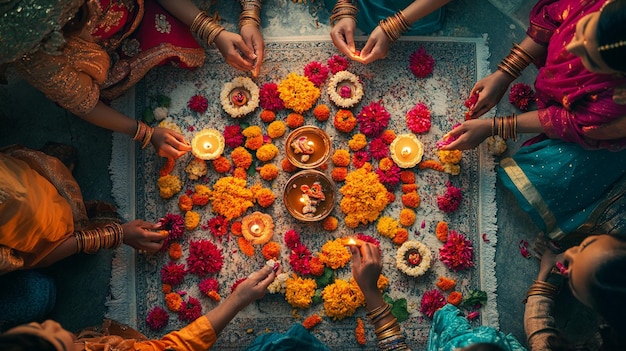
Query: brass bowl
(315, 138)
(295, 198)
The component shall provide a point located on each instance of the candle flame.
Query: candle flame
(255, 228)
(208, 146)
(406, 151)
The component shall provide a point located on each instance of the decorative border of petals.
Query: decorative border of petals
(334, 95)
(403, 265)
(251, 105)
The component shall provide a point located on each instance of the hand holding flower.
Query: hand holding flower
(143, 235)
(468, 135)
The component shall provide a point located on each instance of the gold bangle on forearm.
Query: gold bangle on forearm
(207, 28)
(91, 241)
(505, 127)
(343, 9)
(516, 61)
(250, 13)
(394, 26)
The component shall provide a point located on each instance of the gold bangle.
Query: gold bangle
(385, 326)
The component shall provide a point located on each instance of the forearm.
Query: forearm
(184, 10)
(539, 324)
(220, 316)
(64, 250)
(421, 8)
(106, 117)
(528, 122)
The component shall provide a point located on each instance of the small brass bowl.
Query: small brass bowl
(308, 137)
(302, 195)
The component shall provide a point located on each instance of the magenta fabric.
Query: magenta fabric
(570, 97)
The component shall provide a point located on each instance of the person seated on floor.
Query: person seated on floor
(450, 330)
(43, 219)
(384, 21)
(106, 46)
(567, 181)
(199, 335)
(595, 275)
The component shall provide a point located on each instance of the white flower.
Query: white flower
(196, 169)
(408, 269)
(350, 80)
(279, 284)
(160, 113)
(246, 84)
(496, 145)
(170, 124)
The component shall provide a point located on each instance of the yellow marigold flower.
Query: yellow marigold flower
(268, 172)
(268, 116)
(358, 142)
(364, 197)
(265, 197)
(221, 165)
(252, 131)
(245, 246)
(254, 143)
(202, 189)
(241, 157)
(359, 332)
(276, 129)
(330, 223)
(450, 156)
(240, 173)
(271, 250)
(321, 112)
(287, 166)
(267, 152)
(298, 92)
(185, 203)
(192, 219)
(385, 164)
(441, 231)
(451, 168)
(455, 298)
(169, 185)
(230, 197)
(173, 301)
(175, 251)
(402, 235)
(411, 199)
(387, 226)
(388, 135)
(339, 174)
(382, 283)
(294, 120)
(334, 254)
(407, 217)
(341, 158)
(311, 321)
(341, 299)
(196, 169)
(299, 291)
(446, 284)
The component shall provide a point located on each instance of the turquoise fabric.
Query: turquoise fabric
(26, 296)
(450, 330)
(296, 338)
(570, 181)
(372, 11)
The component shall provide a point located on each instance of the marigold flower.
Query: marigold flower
(299, 291)
(402, 235)
(271, 250)
(441, 231)
(364, 197)
(254, 143)
(407, 176)
(373, 119)
(192, 219)
(157, 318)
(385, 164)
(267, 152)
(391, 197)
(241, 157)
(252, 131)
(268, 116)
(169, 185)
(407, 188)
(245, 246)
(311, 321)
(432, 300)
(339, 174)
(432, 164)
(232, 136)
(411, 199)
(184, 203)
(316, 72)
(337, 63)
(457, 253)
(298, 92)
(173, 273)
(388, 136)
(407, 217)
(265, 197)
(450, 156)
(321, 112)
(268, 172)
(446, 284)
(345, 121)
(287, 166)
(204, 258)
(317, 266)
(294, 120)
(276, 129)
(269, 98)
(167, 167)
(240, 173)
(359, 332)
(341, 158)
(334, 254)
(421, 63)
(218, 226)
(451, 200)
(358, 142)
(378, 149)
(418, 118)
(521, 96)
(173, 301)
(235, 228)
(330, 223)
(455, 298)
(222, 165)
(200, 199)
(341, 299)
(166, 288)
(198, 103)
(387, 226)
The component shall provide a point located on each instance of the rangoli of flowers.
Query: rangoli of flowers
(239, 97)
(413, 258)
(344, 89)
(364, 197)
(298, 92)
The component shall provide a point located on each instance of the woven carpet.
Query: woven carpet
(459, 62)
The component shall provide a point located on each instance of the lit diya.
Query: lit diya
(207, 144)
(239, 97)
(413, 258)
(406, 150)
(308, 147)
(309, 195)
(350, 242)
(257, 228)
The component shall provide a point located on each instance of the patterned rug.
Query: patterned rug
(459, 62)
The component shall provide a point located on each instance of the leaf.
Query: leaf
(327, 278)
(147, 116)
(398, 308)
(317, 297)
(474, 298)
(163, 101)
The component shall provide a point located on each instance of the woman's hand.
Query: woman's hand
(490, 91)
(376, 47)
(169, 143)
(235, 51)
(469, 134)
(366, 266)
(254, 287)
(143, 235)
(342, 35)
(252, 37)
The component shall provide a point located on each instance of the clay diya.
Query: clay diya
(308, 147)
(257, 228)
(406, 150)
(309, 195)
(207, 144)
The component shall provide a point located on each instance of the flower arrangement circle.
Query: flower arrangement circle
(413, 258)
(406, 150)
(344, 89)
(231, 198)
(257, 228)
(239, 97)
(208, 144)
(298, 92)
(364, 197)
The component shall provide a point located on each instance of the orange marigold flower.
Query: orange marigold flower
(322, 167)
(169, 185)
(252, 131)
(254, 143)
(192, 219)
(432, 164)
(446, 284)
(358, 142)
(339, 174)
(312, 321)
(441, 231)
(168, 167)
(240, 173)
(455, 298)
(268, 116)
(391, 197)
(402, 235)
(287, 166)
(214, 295)
(345, 121)
(330, 223)
(245, 246)
(388, 136)
(202, 189)
(407, 188)
(267, 152)
(235, 228)
(407, 176)
(221, 165)
(241, 157)
(359, 332)
(321, 112)
(411, 199)
(268, 171)
(185, 203)
(316, 266)
(341, 158)
(175, 251)
(407, 217)
(271, 250)
(382, 283)
(265, 197)
(200, 199)
(166, 288)
(173, 301)
(385, 164)
(276, 129)
(294, 120)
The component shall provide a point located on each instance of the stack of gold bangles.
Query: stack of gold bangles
(542, 288)
(389, 335)
(394, 26)
(343, 9)
(250, 13)
(517, 60)
(206, 27)
(143, 134)
(108, 237)
(506, 127)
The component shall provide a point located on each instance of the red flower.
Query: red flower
(233, 137)
(378, 148)
(207, 285)
(418, 118)
(175, 226)
(360, 158)
(368, 239)
(373, 119)
(432, 300)
(198, 103)
(218, 226)
(316, 72)
(190, 310)
(521, 95)
(451, 200)
(391, 178)
(337, 63)
(173, 273)
(236, 284)
(421, 63)
(204, 258)
(269, 98)
(157, 318)
(299, 260)
(457, 253)
(292, 239)
(471, 101)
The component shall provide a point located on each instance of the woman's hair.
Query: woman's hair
(24, 342)
(610, 30)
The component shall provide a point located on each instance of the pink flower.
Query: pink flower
(451, 200)
(473, 315)
(471, 101)
(207, 285)
(432, 300)
(173, 273)
(316, 72)
(269, 98)
(300, 260)
(157, 318)
(190, 310)
(368, 239)
(457, 253)
(521, 95)
(373, 119)
(345, 92)
(198, 103)
(448, 140)
(175, 226)
(421, 63)
(204, 258)
(292, 239)
(418, 118)
(391, 178)
(337, 63)
(218, 226)
(378, 148)
(360, 158)
(233, 137)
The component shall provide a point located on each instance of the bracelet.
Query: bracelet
(384, 327)
(343, 9)
(91, 241)
(379, 313)
(206, 27)
(516, 61)
(250, 13)
(394, 26)
(147, 138)
(541, 288)
(506, 127)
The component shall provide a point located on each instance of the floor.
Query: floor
(30, 119)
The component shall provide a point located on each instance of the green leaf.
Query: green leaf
(147, 116)
(327, 278)
(475, 297)
(398, 308)
(317, 297)
(163, 101)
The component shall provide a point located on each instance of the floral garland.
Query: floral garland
(349, 93)
(413, 258)
(234, 99)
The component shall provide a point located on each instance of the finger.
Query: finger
(155, 236)
(152, 247)
(356, 255)
(259, 61)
